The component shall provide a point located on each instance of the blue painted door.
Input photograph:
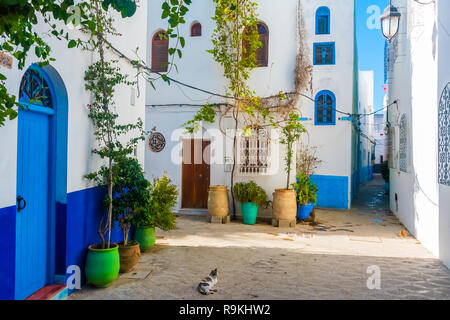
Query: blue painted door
(32, 222)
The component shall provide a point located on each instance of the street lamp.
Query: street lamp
(390, 22)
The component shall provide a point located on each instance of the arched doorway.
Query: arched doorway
(41, 176)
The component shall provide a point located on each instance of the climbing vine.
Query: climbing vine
(19, 37)
(235, 43)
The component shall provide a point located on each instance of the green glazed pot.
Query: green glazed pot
(102, 266)
(146, 237)
(249, 212)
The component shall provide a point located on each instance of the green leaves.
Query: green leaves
(157, 212)
(306, 190)
(251, 192)
(126, 7)
(72, 44)
(205, 114)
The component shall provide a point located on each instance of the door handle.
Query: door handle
(20, 201)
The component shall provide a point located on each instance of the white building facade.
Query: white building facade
(49, 212)
(419, 126)
(330, 37)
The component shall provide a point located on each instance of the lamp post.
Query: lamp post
(390, 22)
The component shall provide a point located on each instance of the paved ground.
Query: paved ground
(326, 261)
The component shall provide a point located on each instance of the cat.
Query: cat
(206, 286)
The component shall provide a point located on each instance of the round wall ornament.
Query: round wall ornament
(156, 142)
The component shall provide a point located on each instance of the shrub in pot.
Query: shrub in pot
(251, 196)
(284, 200)
(129, 195)
(306, 195)
(157, 212)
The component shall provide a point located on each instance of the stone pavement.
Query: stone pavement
(329, 260)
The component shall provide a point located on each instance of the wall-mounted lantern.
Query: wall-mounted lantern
(390, 22)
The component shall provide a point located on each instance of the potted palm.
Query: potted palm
(284, 200)
(306, 196)
(157, 212)
(130, 193)
(251, 196)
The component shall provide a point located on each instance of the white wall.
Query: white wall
(412, 83)
(71, 65)
(380, 137)
(332, 140)
(366, 87)
(443, 78)
(198, 68)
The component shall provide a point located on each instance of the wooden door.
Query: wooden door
(196, 174)
(33, 200)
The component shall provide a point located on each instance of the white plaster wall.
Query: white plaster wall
(71, 65)
(333, 142)
(198, 68)
(169, 121)
(380, 137)
(366, 87)
(412, 82)
(443, 78)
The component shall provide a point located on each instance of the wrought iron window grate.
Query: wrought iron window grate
(254, 153)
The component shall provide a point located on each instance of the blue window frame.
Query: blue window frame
(323, 20)
(325, 108)
(324, 53)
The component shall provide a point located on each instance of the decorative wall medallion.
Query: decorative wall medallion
(156, 142)
(6, 60)
(403, 152)
(444, 137)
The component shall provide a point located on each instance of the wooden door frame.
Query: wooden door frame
(181, 169)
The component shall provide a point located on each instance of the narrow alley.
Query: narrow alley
(332, 259)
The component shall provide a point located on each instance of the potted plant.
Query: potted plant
(157, 212)
(284, 200)
(306, 195)
(103, 261)
(130, 194)
(251, 196)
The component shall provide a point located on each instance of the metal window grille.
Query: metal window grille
(254, 153)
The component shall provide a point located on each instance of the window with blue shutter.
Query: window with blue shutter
(324, 53)
(325, 108)
(323, 20)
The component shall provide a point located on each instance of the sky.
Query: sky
(371, 43)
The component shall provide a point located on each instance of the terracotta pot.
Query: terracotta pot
(129, 256)
(284, 204)
(218, 201)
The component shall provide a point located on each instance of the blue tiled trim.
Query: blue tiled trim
(62, 295)
(333, 191)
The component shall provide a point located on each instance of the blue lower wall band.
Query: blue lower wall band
(7, 252)
(333, 191)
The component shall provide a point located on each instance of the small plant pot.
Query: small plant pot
(129, 256)
(146, 237)
(249, 212)
(304, 211)
(102, 265)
